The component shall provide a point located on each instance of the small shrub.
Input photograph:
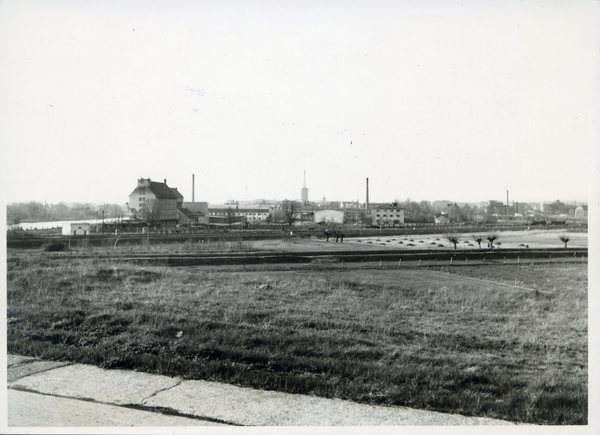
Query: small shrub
(54, 247)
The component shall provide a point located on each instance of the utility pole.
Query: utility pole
(367, 194)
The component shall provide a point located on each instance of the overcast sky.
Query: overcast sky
(430, 100)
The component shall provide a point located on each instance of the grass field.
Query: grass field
(532, 239)
(505, 239)
(419, 338)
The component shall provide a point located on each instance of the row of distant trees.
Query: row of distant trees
(424, 212)
(36, 211)
(455, 239)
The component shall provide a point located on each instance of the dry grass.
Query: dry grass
(412, 337)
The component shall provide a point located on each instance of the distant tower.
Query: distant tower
(304, 192)
(367, 205)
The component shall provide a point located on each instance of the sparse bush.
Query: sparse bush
(54, 247)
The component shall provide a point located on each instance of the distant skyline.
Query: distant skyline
(430, 100)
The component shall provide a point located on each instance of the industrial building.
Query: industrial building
(387, 215)
(154, 202)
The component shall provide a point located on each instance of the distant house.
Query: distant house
(581, 212)
(76, 229)
(442, 219)
(386, 215)
(154, 202)
(192, 213)
(253, 214)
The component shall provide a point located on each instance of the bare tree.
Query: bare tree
(290, 211)
(478, 239)
(453, 238)
(491, 240)
(565, 240)
(151, 212)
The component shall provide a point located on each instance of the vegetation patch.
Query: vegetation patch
(417, 338)
(54, 247)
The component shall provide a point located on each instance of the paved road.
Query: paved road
(55, 394)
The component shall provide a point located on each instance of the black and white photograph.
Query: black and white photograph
(299, 216)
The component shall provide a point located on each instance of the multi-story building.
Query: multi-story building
(387, 215)
(251, 215)
(154, 202)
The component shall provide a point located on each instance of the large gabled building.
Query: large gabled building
(154, 202)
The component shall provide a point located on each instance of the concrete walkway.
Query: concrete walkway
(55, 394)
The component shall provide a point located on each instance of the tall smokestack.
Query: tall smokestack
(193, 187)
(367, 194)
(507, 203)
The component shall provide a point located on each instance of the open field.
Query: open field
(533, 239)
(421, 338)
(513, 240)
(257, 239)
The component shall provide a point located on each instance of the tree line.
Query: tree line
(36, 211)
